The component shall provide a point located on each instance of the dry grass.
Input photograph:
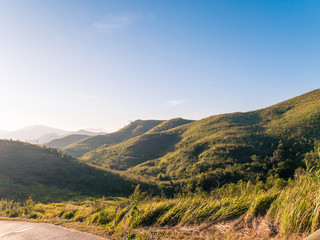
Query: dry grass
(238, 211)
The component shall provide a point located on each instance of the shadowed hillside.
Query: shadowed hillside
(65, 141)
(223, 148)
(46, 174)
(134, 151)
(135, 128)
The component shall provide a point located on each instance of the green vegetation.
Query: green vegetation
(65, 141)
(48, 175)
(169, 124)
(251, 175)
(133, 152)
(291, 209)
(134, 129)
(224, 148)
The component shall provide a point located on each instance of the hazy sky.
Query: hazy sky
(75, 64)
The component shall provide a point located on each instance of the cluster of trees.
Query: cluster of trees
(282, 159)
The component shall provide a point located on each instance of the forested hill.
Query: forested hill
(48, 175)
(136, 128)
(273, 141)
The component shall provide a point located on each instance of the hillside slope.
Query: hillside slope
(45, 174)
(169, 124)
(134, 151)
(223, 148)
(65, 141)
(135, 128)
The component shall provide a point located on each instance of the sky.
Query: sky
(74, 64)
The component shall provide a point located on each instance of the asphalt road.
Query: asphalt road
(314, 236)
(13, 230)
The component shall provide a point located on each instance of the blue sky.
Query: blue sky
(76, 64)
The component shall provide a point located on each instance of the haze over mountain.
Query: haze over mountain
(40, 134)
(32, 132)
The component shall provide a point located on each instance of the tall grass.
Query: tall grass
(297, 207)
(292, 209)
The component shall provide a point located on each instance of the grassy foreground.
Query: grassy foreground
(276, 209)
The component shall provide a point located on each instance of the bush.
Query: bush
(261, 205)
(69, 214)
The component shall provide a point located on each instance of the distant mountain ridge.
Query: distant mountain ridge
(40, 134)
(32, 132)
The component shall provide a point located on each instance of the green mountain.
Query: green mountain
(223, 148)
(169, 124)
(135, 128)
(65, 141)
(134, 151)
(46, 174)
